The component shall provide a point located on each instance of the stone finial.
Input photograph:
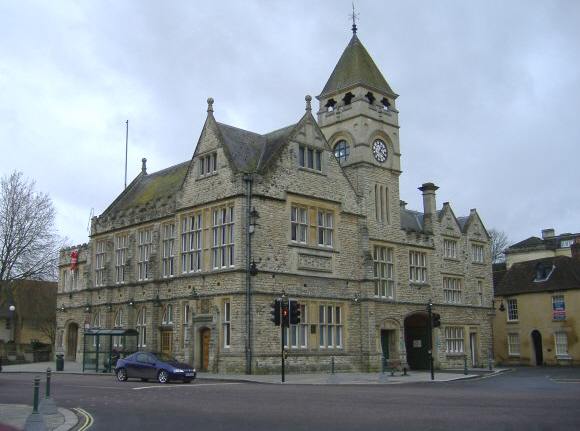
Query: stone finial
(308, 99)
(209, 105)
(144, 165)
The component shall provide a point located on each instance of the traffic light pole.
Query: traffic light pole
(430, 333)
(282, 326)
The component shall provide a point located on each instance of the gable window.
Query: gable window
(168, 250)
(310, 158)
(191, 243)
(227, 324)
(454, 339)
(417, 267)
(143, 252)
(208, 164)
(384, 272)
(330, 330)
(100, 263)
(450, 248)
(452, 290)
(296, 336)
(167, 318)
(341, 151)
(512, 310)
(561, 340)
(299, 224)
(477, 253)
(120, 258)
(543, 271)
(381, 203)
(223, 238)
(142, 327)
(513, 340)
(325, 228)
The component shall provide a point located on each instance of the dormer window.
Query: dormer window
(386, 104)
(543, 271)
(566, 243)
(370, 97)
(330, 105)
(310, 158)
(208, 164)
(348, 98)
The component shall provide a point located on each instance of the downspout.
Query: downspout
(249, 179)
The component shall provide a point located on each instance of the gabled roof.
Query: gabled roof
(529, 242)
(521, 276)
(150, 188)
(355, 67)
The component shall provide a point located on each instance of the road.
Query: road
(524, 399)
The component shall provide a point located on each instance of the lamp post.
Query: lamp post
(12, 309)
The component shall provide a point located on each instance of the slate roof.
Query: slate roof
(552, 243)
(411, 220)
(354, 67)
(520, 277)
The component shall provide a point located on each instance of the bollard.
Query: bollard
(465, 364)
(36, 387)
(333, 365)
(35, 421)
(332, 378)
(47, 405)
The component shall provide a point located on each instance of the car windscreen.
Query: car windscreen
(165, 358)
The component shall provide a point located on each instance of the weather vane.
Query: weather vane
(354, 17)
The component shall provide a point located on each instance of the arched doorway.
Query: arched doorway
(417, 341)
(204, 348)
(72, 335)
(537, 343)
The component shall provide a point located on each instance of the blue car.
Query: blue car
(159, 366)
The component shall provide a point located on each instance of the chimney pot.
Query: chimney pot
(547, 233)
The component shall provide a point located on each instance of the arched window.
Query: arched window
(341, 151)
(167, 318)
(119, 318)
(142, 327)
(97, 323)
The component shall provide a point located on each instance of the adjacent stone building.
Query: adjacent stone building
(192, 256)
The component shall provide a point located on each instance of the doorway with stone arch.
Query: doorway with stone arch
(537, 346)
(205, 336)
(72, 336)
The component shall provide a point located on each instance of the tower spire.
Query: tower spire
(354, 17)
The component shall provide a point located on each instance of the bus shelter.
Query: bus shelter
(102, 347)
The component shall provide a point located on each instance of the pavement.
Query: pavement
(19, 417)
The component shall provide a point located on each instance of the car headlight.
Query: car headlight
(178, 370)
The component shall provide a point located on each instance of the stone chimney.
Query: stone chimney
(144, 165)
(429, 206)
(547, 233)
(575, 248)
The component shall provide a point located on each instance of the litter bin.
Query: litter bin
(59, 362)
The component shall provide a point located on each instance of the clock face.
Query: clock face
(380, 150)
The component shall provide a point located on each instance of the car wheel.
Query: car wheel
(122, 374)
(163, 376)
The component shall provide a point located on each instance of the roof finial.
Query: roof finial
(354, 17)
(144, 165)
(209, 105)
(308, 98)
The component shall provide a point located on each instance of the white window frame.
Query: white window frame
(143, 253)
(118, 323)
(296, 336)
(384, 272)
(325, 227)
(299, 224)
(513, 342)
(100, 253)
(557, 298)
(120, 258)
(452, 293)
(223, 237)
(208, 164)
(142, 327)
(227, 324)
(450, 248)
(478, 253)
(454, 340)
(191, 243)
(168, 248)
(417, 266)
(512, 310)
(561, 343)
(167, 317)
(331, 324)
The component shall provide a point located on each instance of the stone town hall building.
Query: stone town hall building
(314, 208)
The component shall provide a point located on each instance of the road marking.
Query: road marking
(566, 380)
(88, 419)
(184, 386)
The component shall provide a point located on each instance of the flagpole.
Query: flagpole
(126, 150)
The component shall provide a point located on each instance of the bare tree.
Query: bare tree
(29, 243)
(499, 241)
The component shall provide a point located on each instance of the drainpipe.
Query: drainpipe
(249, 179)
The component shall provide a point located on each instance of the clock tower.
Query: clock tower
(358, 116)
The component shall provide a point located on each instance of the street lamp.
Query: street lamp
(12, 309)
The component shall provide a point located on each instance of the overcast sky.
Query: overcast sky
(489, 93)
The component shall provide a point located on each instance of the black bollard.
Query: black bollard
(36, 388)
(48, 382)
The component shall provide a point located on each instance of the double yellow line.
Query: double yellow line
(87, 417)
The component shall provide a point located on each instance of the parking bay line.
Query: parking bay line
(184, 386)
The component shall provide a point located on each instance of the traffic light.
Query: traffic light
(275, 312)
(294, 312)
(284, 306)
(436, 319)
